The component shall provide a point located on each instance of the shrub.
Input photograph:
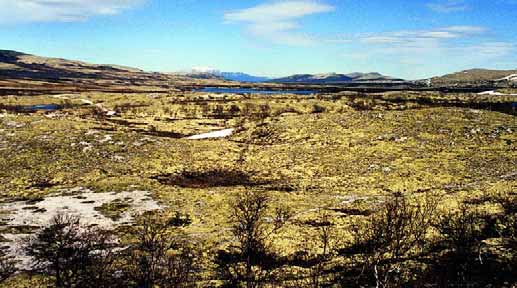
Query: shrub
(76, 256)
(7, 267)
(159, 257)
(462, 233)
(250, 261)
(316, 109)
(390, 237)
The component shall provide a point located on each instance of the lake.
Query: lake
(42, 107)
(253, 91)
(31, 108)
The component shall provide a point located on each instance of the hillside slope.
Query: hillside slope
(476, 77)
(30, 72)
(333, 78)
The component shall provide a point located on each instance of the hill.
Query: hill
(242, 77)
(20, 71)
(333, 78)
(476, 77)
(230, 76)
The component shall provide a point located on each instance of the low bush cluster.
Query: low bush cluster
(405, 242)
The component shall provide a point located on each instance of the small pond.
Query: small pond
(31, 108)
(41, 107)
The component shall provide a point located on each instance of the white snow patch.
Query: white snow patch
(86, 101)
(82, 203)
(492, 92)
(512, 77)
(323, 76)
(215, 134)
(63, 96)
(495, 93)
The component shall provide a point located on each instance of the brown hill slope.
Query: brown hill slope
(25, 73)
(474, 77)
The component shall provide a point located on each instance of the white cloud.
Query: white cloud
(466, 29)
(20, 11)
(491, 49)
(448, 6)
(277, 21)
(439, 48)
(422, 36)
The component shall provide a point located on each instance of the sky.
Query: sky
(401, 38)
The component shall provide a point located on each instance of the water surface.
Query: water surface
(254, 91)
(40, 107)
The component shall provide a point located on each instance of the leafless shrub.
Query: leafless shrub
(286, 109)
(316, 109)
(7, 266)
(462, 233)
(218, 111)
(160, 257)
(319, 265)
(75, 255)
(390, 236)
(462, 230)
(235, 110)
(258, 112)
(250, 261)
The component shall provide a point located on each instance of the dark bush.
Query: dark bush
(211, 178)
(465, 261)
(316, 109)
(391, 236)
(159, 257)
(76, 256)
(250, 261)
(7, 266)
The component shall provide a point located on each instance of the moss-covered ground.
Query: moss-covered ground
(337, 153)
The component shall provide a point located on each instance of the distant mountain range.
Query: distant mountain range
(206, 72)
(242, 77)
(25, 71)
(330, 78)
(335, 78)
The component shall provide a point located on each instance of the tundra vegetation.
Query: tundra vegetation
(399, 189)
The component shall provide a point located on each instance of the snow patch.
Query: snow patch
(79, 202)
(86, 101)
(495, 93)
(512, 77)
(215, 134)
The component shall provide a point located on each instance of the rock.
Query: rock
(373, 167)
(119, 158)
(91, 132)
(475, 130)
(13, 124)
(386, 169)
(107, 138)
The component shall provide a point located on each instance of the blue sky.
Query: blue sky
(410, 39)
